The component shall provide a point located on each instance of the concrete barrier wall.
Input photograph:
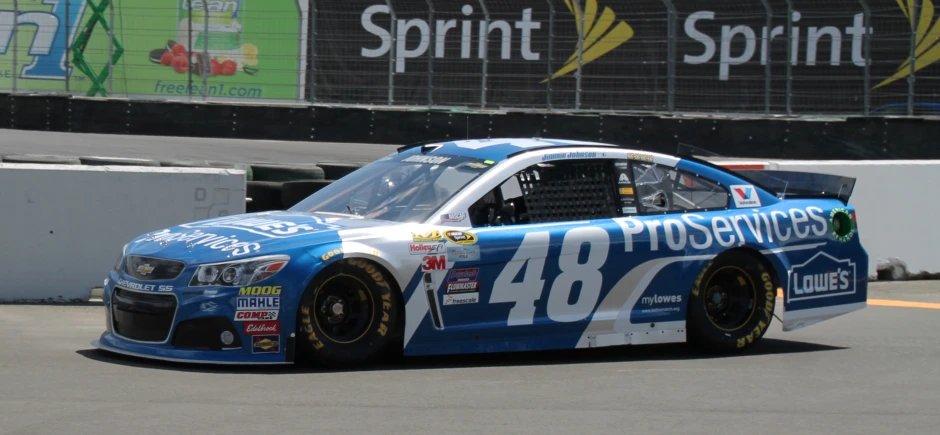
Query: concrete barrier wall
(896, 205)
(62, 227)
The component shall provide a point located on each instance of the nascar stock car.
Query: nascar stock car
(495, 245)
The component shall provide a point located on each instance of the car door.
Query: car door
(545, 237)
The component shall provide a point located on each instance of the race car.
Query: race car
(495, 245)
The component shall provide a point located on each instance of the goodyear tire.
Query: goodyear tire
(349, 315)
(732, 303)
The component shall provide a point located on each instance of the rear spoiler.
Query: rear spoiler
(795, 184)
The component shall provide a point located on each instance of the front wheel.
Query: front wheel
(348, 315)
(732, 303)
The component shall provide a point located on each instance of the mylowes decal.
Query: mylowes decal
(745, 196)
(822, 276)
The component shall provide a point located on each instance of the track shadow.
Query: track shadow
(661, 352)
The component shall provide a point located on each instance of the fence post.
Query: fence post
(189, 47)
(484, 50)
(391, 52)
(551, 48)
(431, 53)
(670, 56)
(16, 20)
(790, 55)
(866, 54)
(68, 47)
(915, 19)
(205, 53)
(312, 57)
(577, 76)
(111, 49)
(765, 36)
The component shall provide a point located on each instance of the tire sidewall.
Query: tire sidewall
(314, 344)
(704, 332)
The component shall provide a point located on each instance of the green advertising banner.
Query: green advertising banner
(236, 50)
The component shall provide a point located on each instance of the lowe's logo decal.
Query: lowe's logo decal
(822, 276)
(48, 23)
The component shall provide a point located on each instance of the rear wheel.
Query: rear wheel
(348, 315)
(732, 303)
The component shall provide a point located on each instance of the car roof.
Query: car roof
(497, 149)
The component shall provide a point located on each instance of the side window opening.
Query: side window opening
(661, 189)
(551, 192)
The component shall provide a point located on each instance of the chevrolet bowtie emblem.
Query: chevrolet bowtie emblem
(144, 269)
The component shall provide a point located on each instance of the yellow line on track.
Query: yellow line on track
(893, 303)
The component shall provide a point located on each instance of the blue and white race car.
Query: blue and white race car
(495, 245)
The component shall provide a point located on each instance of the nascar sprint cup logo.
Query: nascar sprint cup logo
(822, 276)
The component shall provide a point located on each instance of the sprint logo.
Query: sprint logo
(926, 50)
(468, 38)
(597, 40)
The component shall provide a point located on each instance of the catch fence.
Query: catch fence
(754, 57)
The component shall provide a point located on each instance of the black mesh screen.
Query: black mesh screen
(569, 190)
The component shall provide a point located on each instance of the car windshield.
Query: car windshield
(401, 188)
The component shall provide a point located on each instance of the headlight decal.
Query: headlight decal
(239, 273)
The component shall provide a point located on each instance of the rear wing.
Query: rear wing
(796, 184)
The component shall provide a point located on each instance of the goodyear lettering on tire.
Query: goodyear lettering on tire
(386, 291)
(768, 311)
(698, 281)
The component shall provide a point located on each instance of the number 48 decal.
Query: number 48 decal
(533, 251)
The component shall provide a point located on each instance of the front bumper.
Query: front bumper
(186, 325)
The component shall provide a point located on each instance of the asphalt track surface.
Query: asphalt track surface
(186, 148)
(875, 371)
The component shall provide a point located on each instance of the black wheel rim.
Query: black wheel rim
(342, 308)
(730, 298)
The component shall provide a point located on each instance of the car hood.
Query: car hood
(245, 236)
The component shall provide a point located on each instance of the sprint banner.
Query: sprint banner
(526, 53)
(233, 50)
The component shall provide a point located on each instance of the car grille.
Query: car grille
(142, 316)
(152, 269)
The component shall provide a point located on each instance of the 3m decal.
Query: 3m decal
(532, 253)
(254, 328)
(822, 276)
(460, 237)
(260, 290)
(265, 344)
(430, 236)
(434, 262)
(243, 316)
(745, 196)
